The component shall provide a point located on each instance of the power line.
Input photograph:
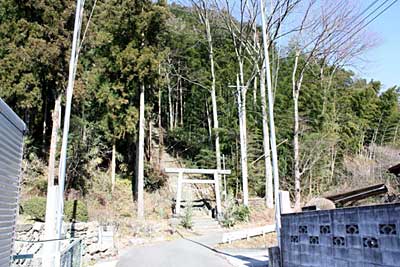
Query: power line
(340, 38)
(365, 10)
(87, 26)
(362, 20)
(369, 22)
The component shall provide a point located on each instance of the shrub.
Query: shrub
(75, 210)
(154, 178)
(187, 219)
(35, 207)
(228, 218)
(241, 213)
(234, 213)
(228, 221)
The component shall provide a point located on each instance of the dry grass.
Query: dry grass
(368, 168)
(119, 209)
(266, 241)
(259, 216)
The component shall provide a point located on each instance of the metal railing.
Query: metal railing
(70, 256)
(26, 260)
(247, 233)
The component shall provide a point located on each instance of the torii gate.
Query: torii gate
(181, 181)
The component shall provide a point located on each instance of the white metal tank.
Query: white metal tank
(12, 130)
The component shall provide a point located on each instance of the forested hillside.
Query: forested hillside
(201, 69)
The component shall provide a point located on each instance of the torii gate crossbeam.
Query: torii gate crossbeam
(181, 181)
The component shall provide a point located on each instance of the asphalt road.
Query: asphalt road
(196, 252)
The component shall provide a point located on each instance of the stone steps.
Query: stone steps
(205, 224)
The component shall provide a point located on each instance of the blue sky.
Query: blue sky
(383, 61)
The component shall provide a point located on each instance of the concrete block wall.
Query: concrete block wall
(366, 236)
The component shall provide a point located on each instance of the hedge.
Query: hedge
(35, 207)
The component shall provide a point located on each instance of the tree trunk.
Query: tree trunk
(150, 144)
(140, 159)
(296, 155)
(181, 101)
(383, 136)
(241, 91)
(269, 198)
(224, 167)
(176, 115)
(52, 191)
(208, 122)
(395, 134)
(213, 93)
(113, 166)
(333, 162)
(323, 88)
(56, 117)
(160, 132)
(237, 165)
(297, 185)
(171, 108)
(44, 125)
(255, 93)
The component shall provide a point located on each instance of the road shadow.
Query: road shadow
(251, 262)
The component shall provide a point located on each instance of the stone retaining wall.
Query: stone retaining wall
(88, 232)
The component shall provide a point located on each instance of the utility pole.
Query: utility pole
(49, 248)
(140, 158)
(272, 126)
(70, 88)
(224, 176)
(243, 140)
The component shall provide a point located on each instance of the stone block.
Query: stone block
(391, 258)
(303, 239)
(37, 227)
(23, 227)
(351, 216)
(341, 263)
(390, 243)
(325, 217)
(371, 255)
(369, 228)
(337, 216)
(325, 240)
(339, 229)
(382, 213)
(353, 241)
(355, 254)
(341, 253)
(326, 252)
(327, 262)
(305, 259)
(79, 227)
(310, 229)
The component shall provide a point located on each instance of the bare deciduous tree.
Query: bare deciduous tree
(323, 36)
(242, 34)
(203, 11)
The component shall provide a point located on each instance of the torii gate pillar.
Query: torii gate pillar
(181, 181)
